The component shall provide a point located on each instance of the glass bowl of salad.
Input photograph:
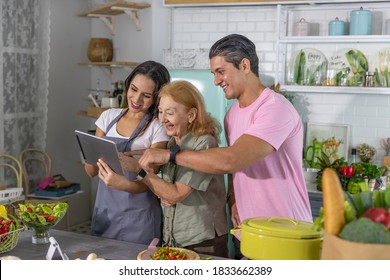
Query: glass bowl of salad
(41, 217)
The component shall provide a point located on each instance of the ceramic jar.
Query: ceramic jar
(301, 28)
(100, 50)
(336, 27)
(361, 22)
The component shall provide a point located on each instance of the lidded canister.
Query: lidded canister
(301, 28)
(361, 22)
(336, 27)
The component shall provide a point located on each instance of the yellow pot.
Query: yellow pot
(278, 238)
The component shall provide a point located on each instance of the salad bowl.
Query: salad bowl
(41, 217)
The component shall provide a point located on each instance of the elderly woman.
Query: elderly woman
(194, 202)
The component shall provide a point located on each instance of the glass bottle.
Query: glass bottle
(353, 156)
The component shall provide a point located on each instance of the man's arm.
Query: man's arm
(244, 152)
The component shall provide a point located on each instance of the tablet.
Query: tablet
(94, 148)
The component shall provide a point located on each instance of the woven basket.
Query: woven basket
(10, 195)
(9, 240)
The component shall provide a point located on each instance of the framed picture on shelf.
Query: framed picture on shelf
(329, 138)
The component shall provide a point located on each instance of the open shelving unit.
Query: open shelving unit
(107, 12)
(287, 44)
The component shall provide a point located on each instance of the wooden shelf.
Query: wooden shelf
(85, 114)
(108, 11)
(108, 66)
(130, 64)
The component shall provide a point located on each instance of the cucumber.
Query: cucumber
(377, 199)
(366, 199)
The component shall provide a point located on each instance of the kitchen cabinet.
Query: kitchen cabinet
(288, 45)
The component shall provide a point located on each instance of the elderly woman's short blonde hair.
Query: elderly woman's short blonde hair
(185, 93)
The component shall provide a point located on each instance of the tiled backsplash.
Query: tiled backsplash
(196, 29)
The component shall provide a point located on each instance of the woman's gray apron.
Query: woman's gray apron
(122, 215)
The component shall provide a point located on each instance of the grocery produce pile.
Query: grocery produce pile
(362, 217)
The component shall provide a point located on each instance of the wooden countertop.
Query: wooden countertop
(76, 245)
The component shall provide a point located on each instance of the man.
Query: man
(265, 141)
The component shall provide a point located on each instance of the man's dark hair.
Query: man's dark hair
(234, 48)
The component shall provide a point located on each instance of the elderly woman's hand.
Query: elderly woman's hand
(129, 163)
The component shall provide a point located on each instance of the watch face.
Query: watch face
(141, 174)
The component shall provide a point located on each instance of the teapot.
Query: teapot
(312, 153)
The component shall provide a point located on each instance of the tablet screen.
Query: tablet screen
(94, 148)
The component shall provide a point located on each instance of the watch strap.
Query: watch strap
(173, 152)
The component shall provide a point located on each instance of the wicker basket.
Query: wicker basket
(9, 240)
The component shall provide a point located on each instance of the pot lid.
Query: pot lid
(281, 227)
(361, 11)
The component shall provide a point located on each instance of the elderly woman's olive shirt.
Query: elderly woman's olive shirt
(202, 214)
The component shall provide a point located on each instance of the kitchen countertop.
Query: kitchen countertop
(76, 245)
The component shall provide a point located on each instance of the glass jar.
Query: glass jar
(369, 80)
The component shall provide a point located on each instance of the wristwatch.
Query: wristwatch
(141, 175)
(173, 150)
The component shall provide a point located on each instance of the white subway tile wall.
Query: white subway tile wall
(368, 115)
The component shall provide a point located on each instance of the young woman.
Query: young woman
(131, 214)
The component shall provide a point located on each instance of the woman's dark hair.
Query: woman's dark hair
(159, 74)
(155, 71)
(234, 48)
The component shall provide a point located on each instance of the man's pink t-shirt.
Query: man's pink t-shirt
(274, 186)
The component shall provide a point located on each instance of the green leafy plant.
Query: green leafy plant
(372, 171)
(324, 162)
